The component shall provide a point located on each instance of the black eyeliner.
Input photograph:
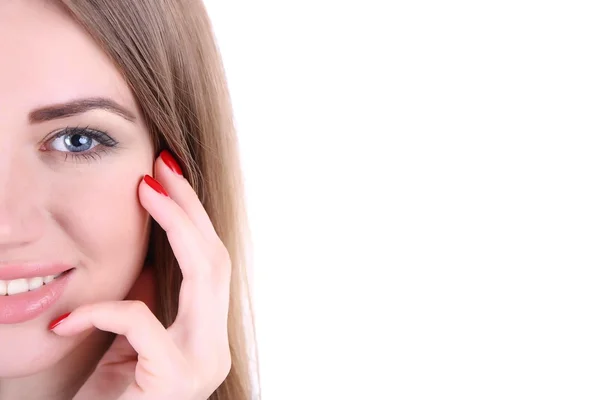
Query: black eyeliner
(100, 136)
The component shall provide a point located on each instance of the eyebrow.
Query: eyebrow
(79, 106)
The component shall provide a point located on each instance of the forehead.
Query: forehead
(46, 58)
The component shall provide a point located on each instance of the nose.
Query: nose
(21, 219)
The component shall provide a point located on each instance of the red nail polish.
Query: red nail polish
(170, 162)
(58, 320)
(153, 183)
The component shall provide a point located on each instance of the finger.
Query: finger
(167, 171)
(205, 266)
(135, 321)
(201, 324)
(183, 236)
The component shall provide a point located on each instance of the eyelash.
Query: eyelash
(105, 143)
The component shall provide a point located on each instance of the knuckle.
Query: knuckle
(223, 255)
(137, 307)
(218, 265)
(222, 260)
(227, 367)
(222, 370)
(213, 374)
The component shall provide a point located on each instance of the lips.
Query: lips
(9, 272)
(26, 306)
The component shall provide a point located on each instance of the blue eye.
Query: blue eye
(81, 142)
(74, 143)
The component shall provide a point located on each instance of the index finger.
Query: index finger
(168, 172)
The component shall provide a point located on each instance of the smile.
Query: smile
(27, 292)
(23, 285)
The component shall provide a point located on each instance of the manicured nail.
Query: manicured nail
(153, 183)
(58, 320)
(169, 160)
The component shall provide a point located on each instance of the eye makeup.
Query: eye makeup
(80, 143)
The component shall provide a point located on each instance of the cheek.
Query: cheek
(109, 230)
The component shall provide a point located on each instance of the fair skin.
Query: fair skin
(82, 201)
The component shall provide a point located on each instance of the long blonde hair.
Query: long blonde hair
(167, 53)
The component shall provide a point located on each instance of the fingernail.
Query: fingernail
(58, 320)
(169, 160)
(153, 183)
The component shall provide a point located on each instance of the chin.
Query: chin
(27, 349)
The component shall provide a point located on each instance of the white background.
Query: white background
(423, 187)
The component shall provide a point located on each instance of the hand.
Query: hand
(191, 358)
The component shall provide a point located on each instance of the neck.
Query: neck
(62, 380)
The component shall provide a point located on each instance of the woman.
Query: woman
(115, 122)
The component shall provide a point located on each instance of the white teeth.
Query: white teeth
(17, 286)
(35, 283)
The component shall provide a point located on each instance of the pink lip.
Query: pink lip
(27, 306)
(10, 272)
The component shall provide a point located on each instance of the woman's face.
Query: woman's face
(68, 198)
